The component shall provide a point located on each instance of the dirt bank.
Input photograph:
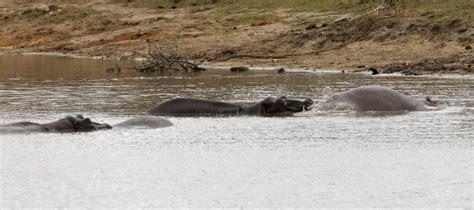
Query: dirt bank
(390, 41)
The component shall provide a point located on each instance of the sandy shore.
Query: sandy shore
(275, 38)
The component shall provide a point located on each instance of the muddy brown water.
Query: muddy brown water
(417, 159)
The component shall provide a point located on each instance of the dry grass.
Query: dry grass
(437, 9)
(450, 8)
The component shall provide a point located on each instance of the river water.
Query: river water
(417, 159)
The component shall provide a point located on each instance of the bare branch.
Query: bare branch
(159, 60)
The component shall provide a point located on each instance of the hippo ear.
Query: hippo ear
(79, 117)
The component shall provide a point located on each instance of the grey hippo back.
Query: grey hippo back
(374, 98)
(148, 121)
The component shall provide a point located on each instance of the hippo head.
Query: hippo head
(82, 124)
(75, 124)
(284, 107)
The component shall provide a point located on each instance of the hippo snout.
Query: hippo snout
(298, 105)
(308, 104)
(104, 126)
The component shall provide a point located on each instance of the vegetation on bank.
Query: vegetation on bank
(436, 8)
(320, 33)
(424, 17)
(66, 14)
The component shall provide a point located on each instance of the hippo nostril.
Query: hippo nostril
(308, 104)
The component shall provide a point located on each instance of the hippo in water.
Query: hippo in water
(270, 106)
(374, 98)
(68, 124)
(147, 121)
(71, 124)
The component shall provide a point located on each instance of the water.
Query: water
(417, 159)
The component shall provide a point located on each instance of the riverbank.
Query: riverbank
(342, 36)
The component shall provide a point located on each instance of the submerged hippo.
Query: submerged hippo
(148, 121)
(68, 124)
(198, 107)
(71, 124)
(374, 98)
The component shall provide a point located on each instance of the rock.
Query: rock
(106, 22)
(310, 26)
(239, 69)
(97, 28)
(159, 19)
(373, 70)
(41, 7)
(462, 30)
(131, 22)
(141, 33)
(341, 20)
(468, 47)
(53, 8)
(280, 70)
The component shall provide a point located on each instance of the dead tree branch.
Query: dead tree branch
(161, 61)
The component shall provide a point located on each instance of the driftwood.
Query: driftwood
(158, 60)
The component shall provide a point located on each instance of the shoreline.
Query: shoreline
(217, 66)
(220, 36)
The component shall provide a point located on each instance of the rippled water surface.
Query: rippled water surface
(417, 159)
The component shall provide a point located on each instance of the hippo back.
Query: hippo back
(22, 127)
(145, 122)
(372, 98)
(194, 107)
(63, 125)
(68, 124)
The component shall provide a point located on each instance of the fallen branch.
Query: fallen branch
(158, 60)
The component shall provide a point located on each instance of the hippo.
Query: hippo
(71, 124)
(270, 106)
(147, 121)
(374, 98)
(68, 124)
